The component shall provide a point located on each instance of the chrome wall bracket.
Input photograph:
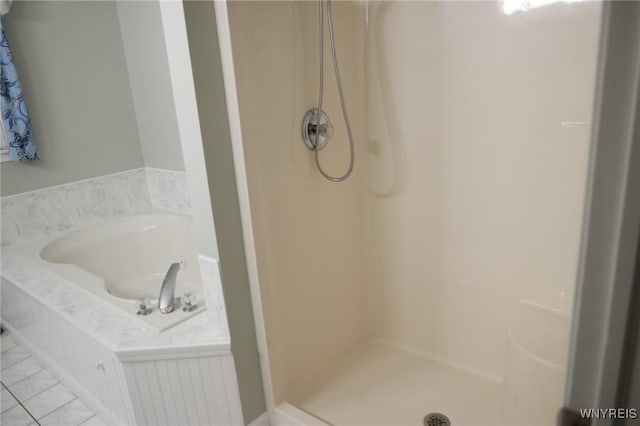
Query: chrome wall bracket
(316, 127)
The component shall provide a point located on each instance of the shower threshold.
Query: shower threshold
(387, 386)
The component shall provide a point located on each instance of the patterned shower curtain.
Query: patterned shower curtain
(15, 119)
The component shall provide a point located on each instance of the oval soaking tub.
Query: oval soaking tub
(70, 301)
(127, 258)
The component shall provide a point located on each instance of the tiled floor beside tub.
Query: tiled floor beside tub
(32, 396)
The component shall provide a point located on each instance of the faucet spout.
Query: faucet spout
(167, 291)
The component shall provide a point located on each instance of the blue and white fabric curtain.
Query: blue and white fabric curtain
(15, 119)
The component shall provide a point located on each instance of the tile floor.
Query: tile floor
(32, 396)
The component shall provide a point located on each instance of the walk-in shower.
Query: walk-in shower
(437, 281)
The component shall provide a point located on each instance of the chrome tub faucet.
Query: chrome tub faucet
(166, 299)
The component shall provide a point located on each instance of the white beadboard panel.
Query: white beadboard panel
(49, 212)
(189, 391)
(147, 409)
(134, 395)
(200, 402)
(127, 404)
(231, 386)
(172, 405)
(174, 377)
(214, 388)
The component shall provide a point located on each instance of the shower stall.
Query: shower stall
(437, 280)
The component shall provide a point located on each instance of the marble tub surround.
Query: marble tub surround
(119, 366)
(115, 364)
(168, 190)
(113, 328)
(49, 212)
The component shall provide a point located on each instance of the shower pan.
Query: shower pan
(436, 283)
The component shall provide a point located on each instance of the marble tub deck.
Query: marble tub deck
(115, 329)
(41, 215)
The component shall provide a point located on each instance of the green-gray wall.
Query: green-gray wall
(145, 51)
(96, 80)
(207, 71)
(74, 77)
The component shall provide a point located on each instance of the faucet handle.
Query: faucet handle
(189, 302)
(143, 305)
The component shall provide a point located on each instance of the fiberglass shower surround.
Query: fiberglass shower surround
(439, 278)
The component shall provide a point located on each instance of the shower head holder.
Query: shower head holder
(316, 127)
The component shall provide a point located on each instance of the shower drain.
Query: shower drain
(436, 419)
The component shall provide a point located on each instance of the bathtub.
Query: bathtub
(70, 302)
(126, 258)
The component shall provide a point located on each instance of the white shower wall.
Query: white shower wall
(308, 232)
(478, 140)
